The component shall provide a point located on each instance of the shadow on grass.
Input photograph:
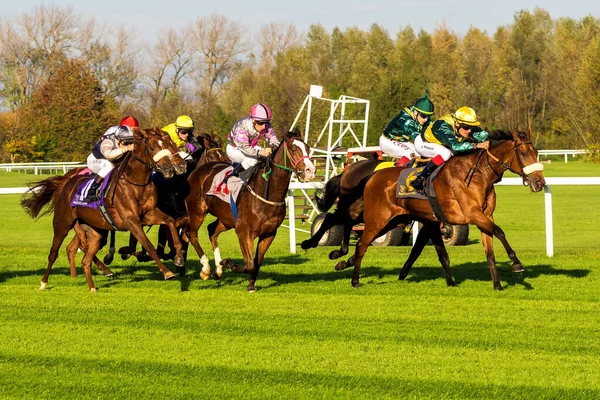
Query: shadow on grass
(461, 273)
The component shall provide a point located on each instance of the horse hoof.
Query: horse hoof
(216, 276)
(93, 290)
(498, 287)
(169, 275)
(305, 245)
(451, 283)
(355, 284)
(178, 261)
(335, 254)
(180, 271)
(43, 285)
(144, 257)
(125, 256)
(251, 290)
(204, 275)
(341, 265)
(108, 259)
(518, 268)
(402, 277)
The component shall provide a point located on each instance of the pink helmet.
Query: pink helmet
(260, 112)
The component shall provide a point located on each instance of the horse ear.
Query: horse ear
(294, 133)
(528, 133)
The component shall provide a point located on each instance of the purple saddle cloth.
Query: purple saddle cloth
(82, 191)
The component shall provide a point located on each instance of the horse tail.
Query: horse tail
(41, 195)
(326, 198)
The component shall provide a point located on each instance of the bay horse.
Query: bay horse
(465, 191)
(130, 200)
(260, 204)
(171, 195)
(347, 188)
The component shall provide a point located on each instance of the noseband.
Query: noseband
(526, 170)
(286, 154)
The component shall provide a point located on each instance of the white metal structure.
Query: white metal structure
(38, 167)
(338, 127)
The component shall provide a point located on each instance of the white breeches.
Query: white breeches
(430, 150)
(237, 156)
(394, 148)
(99, 166)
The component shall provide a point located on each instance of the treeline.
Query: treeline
(65, 77)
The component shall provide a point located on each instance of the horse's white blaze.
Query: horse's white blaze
(309, 167)
(162, 154)
(533, 168)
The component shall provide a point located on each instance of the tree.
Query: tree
(68, 114)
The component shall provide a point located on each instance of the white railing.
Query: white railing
(37, 167)
(504, 182)
(566, 153)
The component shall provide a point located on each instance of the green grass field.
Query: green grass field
(306, 333)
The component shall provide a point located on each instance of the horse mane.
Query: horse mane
(263, 162)
(499, 136)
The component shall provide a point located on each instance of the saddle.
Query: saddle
(404, 189)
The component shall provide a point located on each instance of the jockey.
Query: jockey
(398, 136)
(115, 142)
(449, 135)
(242, 146)
(181, 133)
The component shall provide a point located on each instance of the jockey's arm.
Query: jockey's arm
(111, 151)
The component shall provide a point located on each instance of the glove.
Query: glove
(266, 152)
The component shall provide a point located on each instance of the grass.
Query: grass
(307, 333)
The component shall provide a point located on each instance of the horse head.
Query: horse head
(528, 166)
(157, 151)
(296, 150)
(522, 158)
(213, 149)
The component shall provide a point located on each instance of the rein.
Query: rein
(526, 170)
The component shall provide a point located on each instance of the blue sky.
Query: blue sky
(149, 16)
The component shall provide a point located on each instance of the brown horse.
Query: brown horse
(260, 204)
(347, 188)
(130, 200)
(171, 195)
(465, 190)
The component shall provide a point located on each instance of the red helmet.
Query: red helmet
(261, 113)
(130, 122)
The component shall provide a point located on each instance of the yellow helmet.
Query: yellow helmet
(466, 116)
(183, 121)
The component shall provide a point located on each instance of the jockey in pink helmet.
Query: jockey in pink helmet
(242, 146)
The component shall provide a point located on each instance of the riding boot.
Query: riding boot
(419, 183)
(92, 194)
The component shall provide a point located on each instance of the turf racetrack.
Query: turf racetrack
(306, 333)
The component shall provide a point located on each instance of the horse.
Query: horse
(171, 195)
(130, 200)
(347, 188)
(465, 191)
(259, 216)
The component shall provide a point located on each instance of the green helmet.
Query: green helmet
(424, 105)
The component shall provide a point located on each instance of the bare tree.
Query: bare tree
(276, 38)
(170, 63)
(217, 42)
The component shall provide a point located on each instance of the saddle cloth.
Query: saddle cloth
(225, 190)
(84, 188)
(404, 189)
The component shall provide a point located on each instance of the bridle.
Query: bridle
(152, 167)
(286, 155)
(526, 170)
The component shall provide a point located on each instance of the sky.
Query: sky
(148, 17)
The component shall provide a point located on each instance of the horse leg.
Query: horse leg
(137, 231)
(214, 230)
(422, 239)
(196, 219)
(330, 220)
(246, 243)
(93, 245)
(487, 227)
(343, 250)
(72, 248)
(128, 251)
(61, 229)
(157, 217)
(261, 249)
(440, 248)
